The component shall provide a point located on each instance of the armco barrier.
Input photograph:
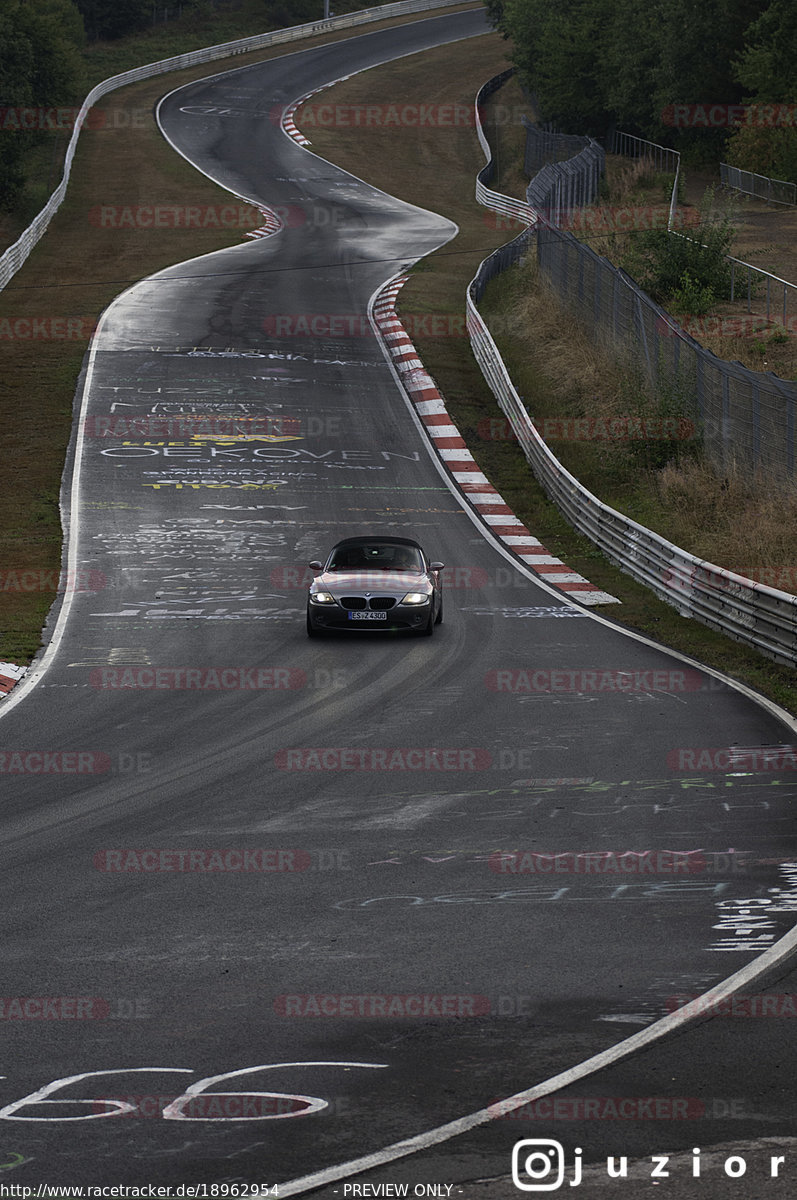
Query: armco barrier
(14, 257)
(507, 206)
(747, 611)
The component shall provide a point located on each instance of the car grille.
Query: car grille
(358, 602)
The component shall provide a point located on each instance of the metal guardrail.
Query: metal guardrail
(15, 256)
(788, 290)
(745, 610)
(773, 191)
(507, 206)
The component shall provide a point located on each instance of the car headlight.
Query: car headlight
(416, 598)
(322, 598)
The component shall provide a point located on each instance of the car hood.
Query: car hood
(341, 582)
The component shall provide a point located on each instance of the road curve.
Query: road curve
(364, 943)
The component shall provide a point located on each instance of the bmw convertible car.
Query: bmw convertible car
(375, 583)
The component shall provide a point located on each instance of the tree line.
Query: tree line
(43, 58)
(715, 78)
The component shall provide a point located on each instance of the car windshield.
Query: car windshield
(376, 556)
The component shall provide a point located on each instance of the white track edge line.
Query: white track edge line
(782, 948)
(771, 706)
(777, 953)
(605, 1058)
(36, 669)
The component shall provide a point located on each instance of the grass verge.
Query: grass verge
(437, 170)
(224, 21)
(50, 306)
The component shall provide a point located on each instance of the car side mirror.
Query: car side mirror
(316, 565)
(435, 566)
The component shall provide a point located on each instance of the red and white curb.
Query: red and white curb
(271, 224)
(462, 467)
(289, 126)
(10, 676)
(287, 122)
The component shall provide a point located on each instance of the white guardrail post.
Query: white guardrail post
(15, 256)
(741, 608)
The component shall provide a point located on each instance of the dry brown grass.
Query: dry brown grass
(745, 526)
(555, 368)
(729, 330)
(75, 272)
(585, 380)
(740, 525)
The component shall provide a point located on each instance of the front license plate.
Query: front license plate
(367, 616)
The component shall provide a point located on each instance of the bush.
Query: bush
(692, 298)
(764, 151)
(672, 266)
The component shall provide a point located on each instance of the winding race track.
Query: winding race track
(329, 866)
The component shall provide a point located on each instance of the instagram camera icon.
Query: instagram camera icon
(538, 1165)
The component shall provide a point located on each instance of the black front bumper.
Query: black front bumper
(398, 618)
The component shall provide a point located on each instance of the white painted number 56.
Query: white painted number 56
(175, 1111)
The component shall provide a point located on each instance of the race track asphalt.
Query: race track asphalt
(556, 735)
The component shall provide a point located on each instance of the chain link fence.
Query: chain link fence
(557, 189)
(748, 611)
(747, 417)
(548, 146)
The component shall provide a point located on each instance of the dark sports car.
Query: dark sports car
(372, 583)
